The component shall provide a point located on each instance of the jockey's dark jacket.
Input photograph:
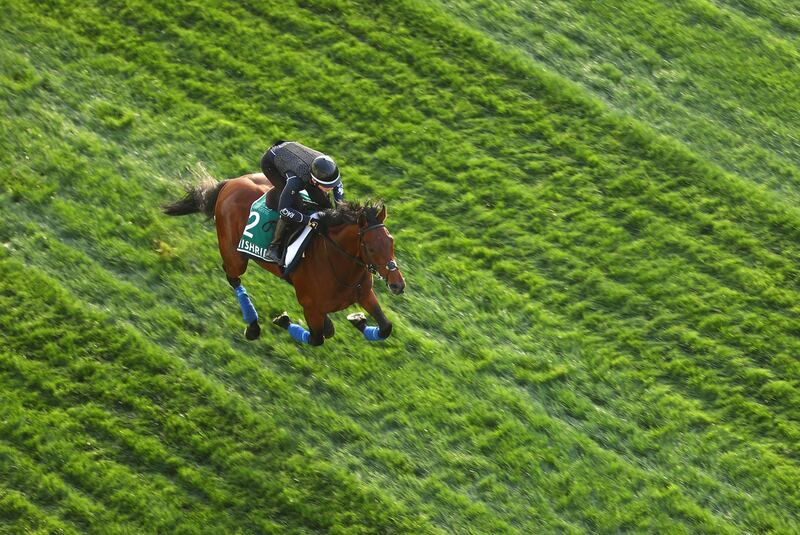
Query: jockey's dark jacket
(287, 165)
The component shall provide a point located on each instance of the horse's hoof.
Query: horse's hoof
(282, 321)
(359, 320)
(253, 331)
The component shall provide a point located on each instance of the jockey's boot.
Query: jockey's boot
(274, 250)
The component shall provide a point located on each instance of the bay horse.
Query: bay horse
(351, 244)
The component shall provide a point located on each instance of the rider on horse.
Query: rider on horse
(292, 168)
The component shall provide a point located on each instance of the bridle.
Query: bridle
(362, 247)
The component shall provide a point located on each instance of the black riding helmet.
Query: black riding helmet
(324, 171)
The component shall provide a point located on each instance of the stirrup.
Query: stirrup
(273, 256)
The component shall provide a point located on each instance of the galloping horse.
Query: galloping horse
(351, 244)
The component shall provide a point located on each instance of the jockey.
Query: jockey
(291, 168)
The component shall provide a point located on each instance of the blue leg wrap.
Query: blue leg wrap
(248, 310)
(298, 333)
(373, 334)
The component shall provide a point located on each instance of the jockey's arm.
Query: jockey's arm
(290, 197)
(338, 193)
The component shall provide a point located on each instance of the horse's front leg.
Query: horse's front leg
(316, 322)
(328, 330)
(373, 334)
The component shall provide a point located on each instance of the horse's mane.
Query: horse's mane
(348, 213)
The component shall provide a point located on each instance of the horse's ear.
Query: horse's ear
(382, 214)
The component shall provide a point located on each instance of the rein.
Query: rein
(371, 267)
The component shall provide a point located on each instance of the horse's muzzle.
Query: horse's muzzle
(395, 282)
(397, 289)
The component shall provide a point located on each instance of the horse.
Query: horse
(351, 243)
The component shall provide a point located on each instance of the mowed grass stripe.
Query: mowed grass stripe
(51, 439)
(19, 515)
(781, 19)
(590, 231)
(112, 464)
(55, 495)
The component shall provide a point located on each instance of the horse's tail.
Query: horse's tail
(198, 199)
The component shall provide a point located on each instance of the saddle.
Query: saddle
(260, 228)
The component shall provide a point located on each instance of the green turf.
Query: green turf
(719, 76)
(600, 332)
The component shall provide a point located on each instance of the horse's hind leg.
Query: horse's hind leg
(249, 314)
(230, 214)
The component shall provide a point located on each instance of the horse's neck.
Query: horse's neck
(346, 237)
(345, 265)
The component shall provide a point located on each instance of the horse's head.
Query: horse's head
(363, 224)
(377, 246)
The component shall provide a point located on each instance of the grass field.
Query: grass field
(594, 207)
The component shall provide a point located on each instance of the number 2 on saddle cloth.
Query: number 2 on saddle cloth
(261, 223)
